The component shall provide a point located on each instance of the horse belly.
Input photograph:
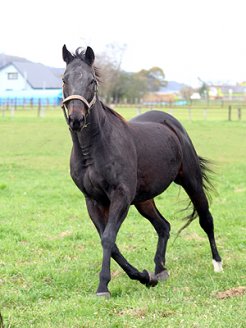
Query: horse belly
(157, 168)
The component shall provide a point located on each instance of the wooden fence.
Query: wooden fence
(22, 104)
(193, 111)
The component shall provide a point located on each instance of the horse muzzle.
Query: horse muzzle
(77, 117)
(76, 123)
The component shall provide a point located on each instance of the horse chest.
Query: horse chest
(89, 182)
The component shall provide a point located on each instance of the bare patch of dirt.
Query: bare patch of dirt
(129, 248)
(141, 313)
(61, 235)
(182, 289)
(64, 234)
(194, 236)
(232, 292)
(238, 189)
(116, 273)
(137, 312)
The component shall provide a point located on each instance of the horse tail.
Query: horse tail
(207, 184)
(203, 167)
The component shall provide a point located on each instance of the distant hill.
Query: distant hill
(172, 87)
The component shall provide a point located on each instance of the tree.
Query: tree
(118, 85)
(187, 92)
(154, 78)
(110, 70)
(203, 90)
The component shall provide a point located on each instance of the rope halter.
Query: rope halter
(81, 98)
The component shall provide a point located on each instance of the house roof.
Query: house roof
(6, 59)
(38, 75)
(58, 72)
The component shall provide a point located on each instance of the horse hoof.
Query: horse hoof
(162, 276)
(152, 280)
(104, 294)
(217, 266)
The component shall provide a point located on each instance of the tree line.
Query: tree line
(119, 86)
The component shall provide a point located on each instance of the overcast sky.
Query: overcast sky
(186, 38)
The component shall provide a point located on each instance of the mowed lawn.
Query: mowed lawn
(50, 253)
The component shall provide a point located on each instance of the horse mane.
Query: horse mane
(112, 112)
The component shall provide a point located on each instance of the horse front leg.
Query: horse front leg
(99, 216)
(145, 277)
(118, 209)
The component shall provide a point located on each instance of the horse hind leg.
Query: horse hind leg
(148, 210)
(195, 190)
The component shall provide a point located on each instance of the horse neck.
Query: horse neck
(92, 130)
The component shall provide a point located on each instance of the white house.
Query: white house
(27, 75)
(29, 81)
(11, 79)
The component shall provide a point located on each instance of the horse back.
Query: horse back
(158, 117)
(190, 159)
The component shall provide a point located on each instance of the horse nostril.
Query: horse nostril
(76, 124)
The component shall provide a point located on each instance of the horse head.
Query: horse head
(79, 86)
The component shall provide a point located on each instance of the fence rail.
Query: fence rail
(22, 104)
(193, 111)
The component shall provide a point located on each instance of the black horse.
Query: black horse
(116, 164)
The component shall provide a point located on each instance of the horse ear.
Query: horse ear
(89, 56)
(67, 56)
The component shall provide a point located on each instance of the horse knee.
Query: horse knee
(107, 243)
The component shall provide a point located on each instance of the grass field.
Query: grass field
(51, 253)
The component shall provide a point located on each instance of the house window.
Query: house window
(12, 76)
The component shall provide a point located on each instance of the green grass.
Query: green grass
(51, 253)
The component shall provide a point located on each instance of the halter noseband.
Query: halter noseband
(81, 98)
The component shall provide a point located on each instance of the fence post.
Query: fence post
(171, 111)
(239, 113)
(139, 109)
(205, 113)
(229, 113)
(39, 107)
(3, 110)
(7, 104)
(12, 108)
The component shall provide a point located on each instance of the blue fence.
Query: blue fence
(31, 98)
(30, 102)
